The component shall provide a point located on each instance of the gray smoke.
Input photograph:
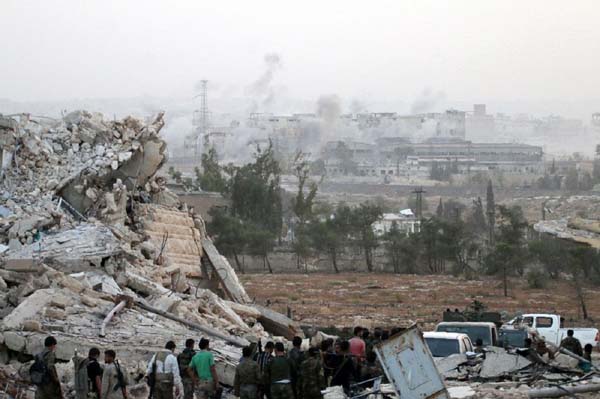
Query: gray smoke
(329, 108)
(262, 90)
(426, 101)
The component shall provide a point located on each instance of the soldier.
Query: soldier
(278, 374)
(50, 389)
(345, 370)
(263, 359)
(587, 352)
(371, 368)
(296, 356)
(184, 359)
(165, 368)
(247, 376)
(312, 376)
(572, 344)
(478, 346)
(114, 378)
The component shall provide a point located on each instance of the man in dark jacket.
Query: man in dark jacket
(278, 374)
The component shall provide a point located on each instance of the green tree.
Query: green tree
(255, 194)
(229, 234)
(490, 211)
(596, 171)
(175, 174)
(572, 180)
(476, 219)
(552, 255)
(302, 206)
(332, 233)
(363, 218)
(402, 250)
(509, 253)
(211, 177)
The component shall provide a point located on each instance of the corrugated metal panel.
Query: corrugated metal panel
(409, 366)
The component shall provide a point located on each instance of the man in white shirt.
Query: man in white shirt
(163, 370)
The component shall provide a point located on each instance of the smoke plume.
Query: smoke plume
(426, 101)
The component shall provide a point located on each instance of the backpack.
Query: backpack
(82, 383)
(184, 359)
(38, 372)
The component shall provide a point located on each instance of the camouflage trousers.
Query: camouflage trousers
(248, 391)
(205, 389)
(281, 391)
(188, 388)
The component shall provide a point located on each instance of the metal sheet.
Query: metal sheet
(409, 366)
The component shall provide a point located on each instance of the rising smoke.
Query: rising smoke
(262, 90)
(426, 101)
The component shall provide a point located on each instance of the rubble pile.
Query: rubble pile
(88, 230)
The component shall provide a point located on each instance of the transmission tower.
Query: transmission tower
(201, 120)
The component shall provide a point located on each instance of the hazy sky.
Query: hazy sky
(469, 50)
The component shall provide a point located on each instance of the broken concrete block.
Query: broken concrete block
(497, 364)
(55, 314)
(32, 325)
(87, 301)
(14, 341)
(60, 302)
(22, 265)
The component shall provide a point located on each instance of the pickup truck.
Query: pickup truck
(442, 344)
(550, 327)
(486, 331)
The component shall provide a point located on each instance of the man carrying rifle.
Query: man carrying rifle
(114, 378)
(163, 373)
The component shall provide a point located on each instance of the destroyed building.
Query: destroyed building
(96, 251)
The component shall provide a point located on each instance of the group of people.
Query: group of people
(166, 373)
(273, 373)
(535, 351)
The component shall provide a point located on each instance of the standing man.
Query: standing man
(357, 345)
(203, 372)
(49, 388)
(296, 356)
(94, 372)
(247, 376)
(165, 370)
(184, 359)
(114, 378)
(312, 377)
(572, 344)
(278, 374)
(345, 370)
(263, 359)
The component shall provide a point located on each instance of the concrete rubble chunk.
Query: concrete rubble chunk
(497, 364)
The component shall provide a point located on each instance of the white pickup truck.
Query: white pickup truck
(549, 326)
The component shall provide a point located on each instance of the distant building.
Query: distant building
(405, 220)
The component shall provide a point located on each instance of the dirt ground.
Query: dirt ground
(389, 300)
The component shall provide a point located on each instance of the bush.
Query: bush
(536, 278)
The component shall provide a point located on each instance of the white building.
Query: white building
(405, 220)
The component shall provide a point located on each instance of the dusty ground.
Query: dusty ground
(389, 300)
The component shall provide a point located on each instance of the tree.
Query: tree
(363, 218)
(400, 155)
(302, 205)
(211, 177)
(596, 171)
(331, 234)
(509, 252)
(476, 219)
(439, 212)
(582, 260)
(491, 211)
(587, 182)
(572, 180)
(552, 254)
(229, 234)
(553, 167)
(402, 250)
(175, 174)
(255, 196)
